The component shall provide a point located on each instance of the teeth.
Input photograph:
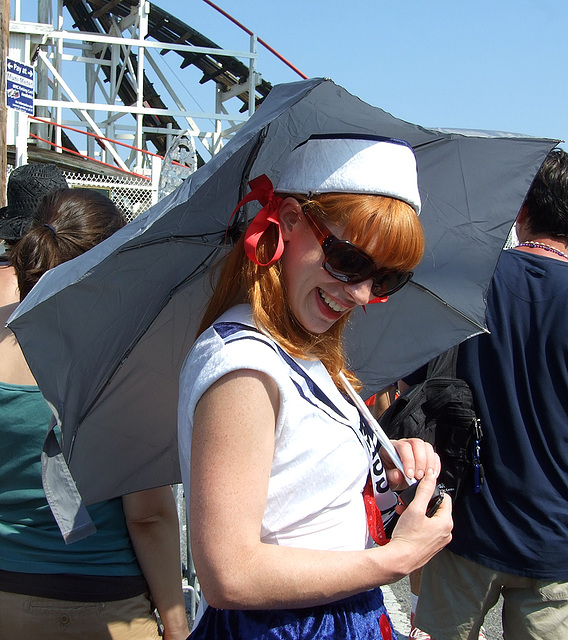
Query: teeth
(331, 303)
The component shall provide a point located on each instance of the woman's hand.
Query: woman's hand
(417, 537)
(417, 458)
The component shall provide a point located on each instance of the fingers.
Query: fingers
(426, 490)
(428, 484)
(417, 457)
(427, 534)
(419, 492)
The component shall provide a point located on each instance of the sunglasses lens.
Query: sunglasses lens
(390, 282)
(346, 263)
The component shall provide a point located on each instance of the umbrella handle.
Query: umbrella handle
(381, 435)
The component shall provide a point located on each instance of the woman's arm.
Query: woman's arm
(383, 400)
(232, 451)
(13, 366)
(152, 521)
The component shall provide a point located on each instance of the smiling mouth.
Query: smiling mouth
(334, 306)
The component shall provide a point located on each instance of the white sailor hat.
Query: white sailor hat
(352, 163)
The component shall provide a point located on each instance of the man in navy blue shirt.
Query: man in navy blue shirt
(511, 539)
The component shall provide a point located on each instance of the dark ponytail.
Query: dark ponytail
(67, 223)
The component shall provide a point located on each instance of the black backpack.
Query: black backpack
(441, 411)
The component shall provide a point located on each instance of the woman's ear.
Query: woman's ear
(289, 214)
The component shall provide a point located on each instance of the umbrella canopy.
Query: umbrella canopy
(106, 334)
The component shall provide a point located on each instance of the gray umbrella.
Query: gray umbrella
(106, 334)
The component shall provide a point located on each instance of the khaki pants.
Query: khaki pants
(28, 617)
(456, 594)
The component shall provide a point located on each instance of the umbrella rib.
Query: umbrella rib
(428, 143)
(198, 240)
(242, 216)
(446, 304)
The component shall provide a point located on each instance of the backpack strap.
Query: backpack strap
(444, 365)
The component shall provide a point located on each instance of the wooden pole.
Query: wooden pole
(5, 36)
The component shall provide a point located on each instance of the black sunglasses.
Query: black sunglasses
(346, 262)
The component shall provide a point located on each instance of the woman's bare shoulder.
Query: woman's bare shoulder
(13, 366)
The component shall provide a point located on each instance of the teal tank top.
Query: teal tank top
(30, 540)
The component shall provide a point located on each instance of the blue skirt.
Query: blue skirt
(359, 617)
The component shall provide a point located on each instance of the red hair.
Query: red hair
(387, 229)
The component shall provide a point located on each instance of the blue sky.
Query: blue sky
(496, 65)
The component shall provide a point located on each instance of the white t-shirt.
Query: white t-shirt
(319, 467)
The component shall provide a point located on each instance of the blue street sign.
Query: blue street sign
(20, 86)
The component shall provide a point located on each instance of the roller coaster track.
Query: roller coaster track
(95, 16)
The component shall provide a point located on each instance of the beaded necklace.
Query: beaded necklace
(541, 245)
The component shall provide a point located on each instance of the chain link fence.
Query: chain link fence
(130, 194)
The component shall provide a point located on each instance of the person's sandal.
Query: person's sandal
(415, 632)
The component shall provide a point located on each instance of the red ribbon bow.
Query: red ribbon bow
(262, 191)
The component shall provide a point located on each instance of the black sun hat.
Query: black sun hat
(26, 187)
